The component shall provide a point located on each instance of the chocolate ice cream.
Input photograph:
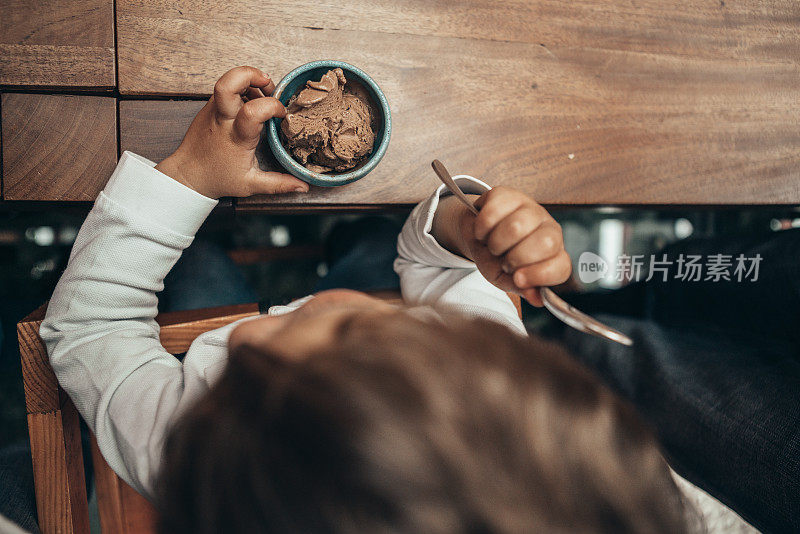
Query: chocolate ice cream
(328, 124)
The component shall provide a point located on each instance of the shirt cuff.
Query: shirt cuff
(151, 194)
(416, 241)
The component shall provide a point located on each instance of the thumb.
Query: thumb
(272, 183)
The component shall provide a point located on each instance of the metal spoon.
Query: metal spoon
(556, 305)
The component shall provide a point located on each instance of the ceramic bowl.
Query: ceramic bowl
(295, 81)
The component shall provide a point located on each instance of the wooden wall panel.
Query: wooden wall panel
(587, 102)
(57, 147)
(57, 43)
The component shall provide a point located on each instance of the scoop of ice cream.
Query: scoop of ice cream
(328, 124)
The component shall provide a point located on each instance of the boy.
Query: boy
(339, 412)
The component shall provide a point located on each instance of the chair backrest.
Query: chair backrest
(55, 436)
(54, 428)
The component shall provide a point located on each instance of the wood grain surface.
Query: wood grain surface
(55, 437)
(57, 147)
(57, 43)
(586, 102)
(179, 329)
(106, 482)
(58, 476)
(155, 128)
(38, 379)
(121, 509)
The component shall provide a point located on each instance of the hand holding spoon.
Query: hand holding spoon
(556, 305)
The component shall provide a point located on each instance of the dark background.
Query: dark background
(283, 257)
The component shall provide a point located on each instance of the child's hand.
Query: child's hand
(217, 156)
(515, 243)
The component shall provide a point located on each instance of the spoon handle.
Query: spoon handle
(445, 177)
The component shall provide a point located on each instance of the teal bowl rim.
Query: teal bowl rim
(329, 180)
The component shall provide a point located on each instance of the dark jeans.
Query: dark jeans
(715, 369)
(204, 277)
(17, 499)
(359, 255)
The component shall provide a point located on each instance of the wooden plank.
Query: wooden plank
(38, 379)
(121, 509)
(583, 102)
(61, 501)
(753, 30)
(54, 431)
(57, 147)
(617, 159)
(178, 338)
(76, 476)
(106, 482)
(139, 514)
(57, 43)
(155, 128)
(177, 318)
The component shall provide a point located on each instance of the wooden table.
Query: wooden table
(584, 102)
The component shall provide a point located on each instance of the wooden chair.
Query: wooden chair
(54, 428)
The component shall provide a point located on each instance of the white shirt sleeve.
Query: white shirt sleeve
(713, 516)
(100, 332)
(430, 274)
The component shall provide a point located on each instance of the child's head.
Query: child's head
(399, 424)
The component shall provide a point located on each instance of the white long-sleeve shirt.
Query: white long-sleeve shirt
(100, 329)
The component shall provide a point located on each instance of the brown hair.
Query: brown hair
(406, 426)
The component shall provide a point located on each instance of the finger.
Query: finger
(494, 206)
(253, 93)
(542, 244)
(230, 88)
(505, 282)
(268, 89)
(251, 118)
(533, 296)
(272, 183)
(514, 228)
(549, 272)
